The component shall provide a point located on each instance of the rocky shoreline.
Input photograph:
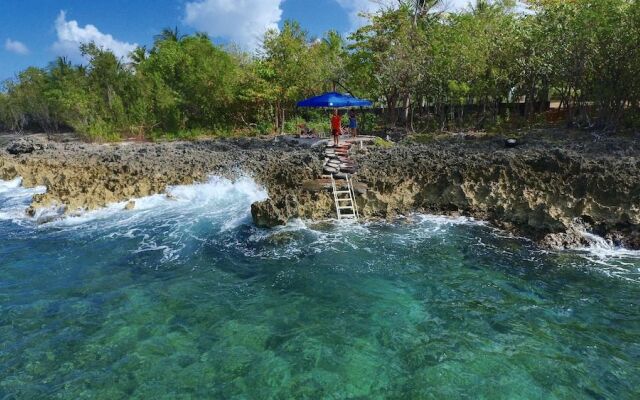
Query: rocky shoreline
(551, 192)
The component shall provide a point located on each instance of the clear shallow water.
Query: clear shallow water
(183, 298)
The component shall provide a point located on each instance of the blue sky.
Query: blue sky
(34, 32)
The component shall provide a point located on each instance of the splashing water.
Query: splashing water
(609, 259)
(14, 198)
(184, 297)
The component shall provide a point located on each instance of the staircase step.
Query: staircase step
(347, 199)
(345, 207)
(342, 192)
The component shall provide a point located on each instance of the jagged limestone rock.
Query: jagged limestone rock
(532, 190)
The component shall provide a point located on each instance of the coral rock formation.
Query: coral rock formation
(552, 195)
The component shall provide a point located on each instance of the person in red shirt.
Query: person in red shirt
(336, 127)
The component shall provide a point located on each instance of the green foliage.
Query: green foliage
(319, 125)
(421, 138)
(388, 57)
(191, 134)
(199, 133)
(593, 69)
(294, 67)
(102, 131)
(443, 65)
(190, 82)
(429, 70)
(380, 142)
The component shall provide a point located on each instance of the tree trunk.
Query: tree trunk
(407, 105)
(276, 114)
(392, 109)
(282, 122)
(413, 111)
(529, 102)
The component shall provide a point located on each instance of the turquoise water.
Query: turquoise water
(184, 298)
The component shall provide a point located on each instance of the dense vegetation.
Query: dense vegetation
(426, 68)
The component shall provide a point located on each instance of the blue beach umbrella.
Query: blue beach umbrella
(334, 100)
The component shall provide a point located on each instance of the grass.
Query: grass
(198, 133)
(380, 142)
(319, 125)
(507, 125)
(101, 131)
(187, 134)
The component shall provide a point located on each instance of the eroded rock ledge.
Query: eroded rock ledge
(548, 192)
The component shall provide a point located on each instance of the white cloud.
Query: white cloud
(453, 5)
(355, 8)
(241, 21)
(15, 46)
(71, 35)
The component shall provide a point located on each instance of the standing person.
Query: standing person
(353, 123)
(336, 127)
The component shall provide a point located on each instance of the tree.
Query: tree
(386, 57)
(288, 67)
(169, 35)
(68, 94)
(26, 105)
(191, 83)
(451, 70)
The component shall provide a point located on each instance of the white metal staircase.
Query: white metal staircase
(346, 207)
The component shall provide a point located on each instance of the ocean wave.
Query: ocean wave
(303, 237)
(6, 186)
(188, 218)
(611, 260)
(601, 249)
(167, 223)
(15, 198)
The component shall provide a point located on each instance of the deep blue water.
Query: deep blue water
(184, 298)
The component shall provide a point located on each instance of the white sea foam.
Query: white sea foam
(173, 224)
(602, 256)
(599, 248)
(6, 186)
(609, 259)
(445, 220)
(15, 198)
(216, 196)
(183, 216)
(300, 237)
